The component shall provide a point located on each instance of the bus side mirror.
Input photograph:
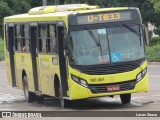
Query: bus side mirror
(146, 34)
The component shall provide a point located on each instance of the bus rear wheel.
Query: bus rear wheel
(29, 96)
(64, 102)
(125, 98)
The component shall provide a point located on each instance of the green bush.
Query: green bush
(153, 53)
(154, 41)
(1, 49)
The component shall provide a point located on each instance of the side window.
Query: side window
(17, 38)
(42, 38)
(51, 44)
(22, 39)
(23, 43)
(25, 38)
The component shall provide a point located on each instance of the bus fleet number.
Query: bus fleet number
(97, 80)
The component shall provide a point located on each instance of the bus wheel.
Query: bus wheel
(125, 98)
(39, 99)
(29, 96)
(64, 102)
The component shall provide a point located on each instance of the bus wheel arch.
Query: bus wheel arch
(29, 96)
(23, 74)
(56, 85)
(59, 94)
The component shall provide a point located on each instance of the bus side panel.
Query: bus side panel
(47, 70)
(18, 69)
(7, 60)
(38, 73)
(23, 62)
(54, 69)
(43, 73)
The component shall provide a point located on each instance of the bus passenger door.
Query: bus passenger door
(10, 64)
(33, 50)
(62, 60)
(47, 57)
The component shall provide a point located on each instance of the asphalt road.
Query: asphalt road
(12, 99)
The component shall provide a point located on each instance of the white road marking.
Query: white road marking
(157, 76)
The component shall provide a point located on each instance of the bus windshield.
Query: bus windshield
(117, 44)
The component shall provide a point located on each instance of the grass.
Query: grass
(154, 41)
(1, 50)
(153, 53)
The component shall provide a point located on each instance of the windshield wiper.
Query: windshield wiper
(97, 41)
(134, 31)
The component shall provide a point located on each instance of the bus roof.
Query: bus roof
(33, 14)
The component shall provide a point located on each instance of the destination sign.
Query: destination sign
(104, 17)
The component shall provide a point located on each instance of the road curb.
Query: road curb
(153, 63)
(2, 61)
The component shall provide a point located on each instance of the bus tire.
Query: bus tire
(125, 98)
(39, 99)
(64, 102)
(29, 96)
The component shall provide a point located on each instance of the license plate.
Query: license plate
(113, 88)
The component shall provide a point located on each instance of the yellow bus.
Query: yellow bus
(76, 52)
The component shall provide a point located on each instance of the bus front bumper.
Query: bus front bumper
(77, 91)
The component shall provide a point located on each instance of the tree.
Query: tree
(101, 3)
(18, 6)
(146, 8)
(156, 5)
(35, 3)
(11, 7)
(4, 11)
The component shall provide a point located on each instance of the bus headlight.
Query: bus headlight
(79, 81)
(141, 75)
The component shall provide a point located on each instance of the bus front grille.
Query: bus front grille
(113, 69)
(102, 88)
